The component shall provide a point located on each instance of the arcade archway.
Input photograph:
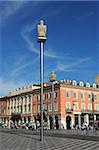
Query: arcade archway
(68, 122)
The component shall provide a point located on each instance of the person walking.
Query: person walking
(84, 129)
(95, 127)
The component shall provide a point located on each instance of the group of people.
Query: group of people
(87, 127)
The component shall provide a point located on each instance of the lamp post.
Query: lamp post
(41, 40)
(52, 79)
(93, 107)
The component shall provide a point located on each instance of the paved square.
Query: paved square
(53, 140)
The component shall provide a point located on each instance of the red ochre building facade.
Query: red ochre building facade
(74, 103)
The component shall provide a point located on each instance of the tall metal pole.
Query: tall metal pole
(52, 79)
(41, 40)
(53, 103)
(93, 107)
(41, 81)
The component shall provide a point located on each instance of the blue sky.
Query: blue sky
(71, 48)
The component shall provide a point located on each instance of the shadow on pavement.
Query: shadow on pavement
(49, 133)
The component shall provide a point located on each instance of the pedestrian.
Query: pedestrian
(87, 130)
(95, 127)
(84, 129)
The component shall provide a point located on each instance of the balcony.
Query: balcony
(96, 111)
(87, 111)
(69, 110)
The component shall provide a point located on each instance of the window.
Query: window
(82, 96)
(74, 82)
(17, 101)
(75, 95)
(67, 105)
(21, 109)
(89, 106)
(56, 94)
(89, 96)
(67, 94)
(56, 106)
(18, 108)
(25, 108)
(29, 99)
(75, 105)
(49, 95)
(29, 107)
(49, 106)
(38, 107)
(44, 106)
(83, 106)
(96, 107)
(44, 97)
(38, 97)
(25, 99)
(14, 101)
(87, 84)
(81, 83)
(11, 102)
(34, 97)
(95, 97)
(34, 108)
(21, 100)
(94, 85)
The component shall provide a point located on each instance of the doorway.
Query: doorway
(68, 122)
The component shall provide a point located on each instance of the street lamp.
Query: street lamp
(52, 79)
(93, 107)
(41, 40)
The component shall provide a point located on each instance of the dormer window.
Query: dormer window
(74, 82)
(94, 85)
(81, 83)
(87, 84)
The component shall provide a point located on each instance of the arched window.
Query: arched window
(74, 82)
(94, 85)
(81, 83)
(87, 84)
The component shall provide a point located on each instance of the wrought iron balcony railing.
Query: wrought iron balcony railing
(69, 110)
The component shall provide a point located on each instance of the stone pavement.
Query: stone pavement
(53, 140)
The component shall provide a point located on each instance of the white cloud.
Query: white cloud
(73, 65)
(30, 44)
(48, 53)
(21, 64)
(12, 81)
(9, 85)
(84, 16)
(9, 8)
(18, 70)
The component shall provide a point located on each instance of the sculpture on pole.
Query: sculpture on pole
(41, 31)
(41, 40)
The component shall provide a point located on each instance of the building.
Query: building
(74, 103)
